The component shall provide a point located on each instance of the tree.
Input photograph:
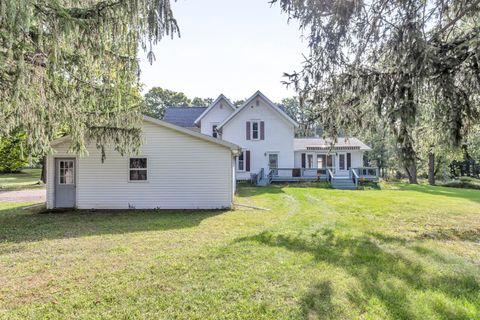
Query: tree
(158, 99)
(74, 64)
(12, 156)
(384, 59)
(202, 102)
(302, 115)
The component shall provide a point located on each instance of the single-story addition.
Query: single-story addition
(176, 168)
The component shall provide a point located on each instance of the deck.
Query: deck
(346, 180)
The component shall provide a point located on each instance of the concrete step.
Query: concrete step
(343, 184)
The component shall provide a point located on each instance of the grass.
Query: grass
(406, 252)
(26, 179)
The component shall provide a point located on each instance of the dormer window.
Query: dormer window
(255, 130)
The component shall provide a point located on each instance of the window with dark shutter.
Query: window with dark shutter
(262, 130)
(247, 161)
(349, 161)
(248, 130)
(303, 160)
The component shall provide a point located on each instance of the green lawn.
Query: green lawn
(27, 179)
(409, 252)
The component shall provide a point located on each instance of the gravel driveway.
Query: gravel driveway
(29, 195)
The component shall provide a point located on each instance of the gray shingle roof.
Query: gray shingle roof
(183, 116)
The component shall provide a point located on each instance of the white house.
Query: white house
(270, 150)
(176, 168)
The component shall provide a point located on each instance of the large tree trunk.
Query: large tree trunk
(431, 168)
(43, 176)
(412, 173)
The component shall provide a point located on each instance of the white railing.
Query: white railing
(367, 172)
(299, 172)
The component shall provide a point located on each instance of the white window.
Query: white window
(255, 130)
(241, 161)
(214, 131)
(138, 169)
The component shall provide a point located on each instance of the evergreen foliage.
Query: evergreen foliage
(73, 64)
(390, 59)
(12, 157)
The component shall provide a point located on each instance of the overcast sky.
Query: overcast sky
(234, 47)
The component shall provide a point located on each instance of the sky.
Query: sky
(234, 47)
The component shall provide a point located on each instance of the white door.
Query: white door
(342, 164)
(273, 162)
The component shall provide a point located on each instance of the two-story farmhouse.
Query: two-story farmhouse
(193, 158)
(270, 151)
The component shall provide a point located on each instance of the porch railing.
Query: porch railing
(354, 177)
(260, 176)
(311, 173)
(368, 173)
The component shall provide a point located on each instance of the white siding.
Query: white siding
(279, 134)
(184, 172)
(220, 111)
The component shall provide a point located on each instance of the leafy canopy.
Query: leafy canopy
(390, 59)
(157, 100)
(73, 64)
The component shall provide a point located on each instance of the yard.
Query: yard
(405, 252)
(27, 179)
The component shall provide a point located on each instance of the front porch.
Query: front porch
(343, 180)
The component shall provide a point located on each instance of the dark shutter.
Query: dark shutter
(262, 130)
(247, 161)
(303, 160)
(349, 161)
(248, 130)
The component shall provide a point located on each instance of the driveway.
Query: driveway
(29, 195)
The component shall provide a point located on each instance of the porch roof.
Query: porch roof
(320, 144)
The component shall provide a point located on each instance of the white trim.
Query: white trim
(251, 129)
(204, 113)
(269, 102)
(130, 169)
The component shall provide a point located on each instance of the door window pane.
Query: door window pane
(341, 162)
(273, 161)
(66, 174)
(322, 161)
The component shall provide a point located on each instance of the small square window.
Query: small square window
(138, 169)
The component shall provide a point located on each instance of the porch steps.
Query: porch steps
(343, 184)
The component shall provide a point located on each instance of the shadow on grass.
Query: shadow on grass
(383, 274)
(248, 190)
(468, 194)
(17, 225)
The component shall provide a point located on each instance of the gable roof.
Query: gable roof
(176, 128)
(269, 102)
(220, 97)
(352, 143)
(183, 116)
